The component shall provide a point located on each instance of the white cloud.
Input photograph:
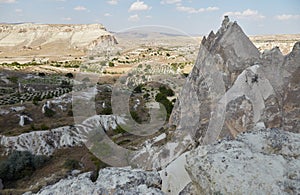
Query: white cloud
(107, 14)
(134, 18)
(67, 19)
(170, 1)
(248, 13)
(192, 10)
(139, 6)
(212, 9)
(8, 1)
(18, 10)
(112, 2)
(287, 17)
(148, 16)
(80, 8)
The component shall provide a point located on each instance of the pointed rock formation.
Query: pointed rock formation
(231, 89)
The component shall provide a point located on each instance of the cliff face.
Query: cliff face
(35, 36)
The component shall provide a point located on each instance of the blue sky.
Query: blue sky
(190, 16)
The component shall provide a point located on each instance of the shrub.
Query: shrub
(20, 164)
(36, 100)
(69, 75)
(111, 64)
(146, 96)
(138, 89)
(49, 112)
(41, 74)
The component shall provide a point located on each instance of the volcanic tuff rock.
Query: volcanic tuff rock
(110, 181)
(257, 162)
(47, 141)
(232, 88)
(35, 36)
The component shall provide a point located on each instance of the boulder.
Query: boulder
(110, 181)
(257, 162)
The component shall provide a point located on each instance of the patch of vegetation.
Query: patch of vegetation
(146, 96)
(106, 111)
(44, 127)
(185, 74)
(69, 75)
(13, 79)
(71, 164)
(166, 91)
(111, 64)
(162, 98)
(66, 84)
(138, 89)
(49, 112)
(135, 116)
(36, 100)
(41, 74)
(20, 164)
(119, 130)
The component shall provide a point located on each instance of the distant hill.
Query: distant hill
(30, 39)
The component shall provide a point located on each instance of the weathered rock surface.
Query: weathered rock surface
(110, 181)
(35, 36)
(234, 88)
(257, 162)
(46, 142)
(231, 89)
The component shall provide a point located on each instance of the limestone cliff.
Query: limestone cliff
(60, 36)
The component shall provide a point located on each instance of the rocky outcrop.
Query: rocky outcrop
(258, 162)
(233, 88)
(46, 142)
(110, 181)
(35, 36)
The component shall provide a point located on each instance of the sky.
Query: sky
(256, 17)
